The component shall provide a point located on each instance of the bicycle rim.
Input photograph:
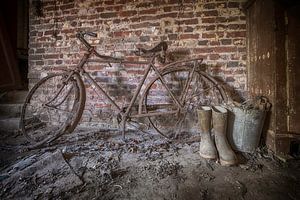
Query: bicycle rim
(202, 90)
(47, 113)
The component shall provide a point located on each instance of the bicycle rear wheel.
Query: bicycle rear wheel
(169, 121)
(52, 107)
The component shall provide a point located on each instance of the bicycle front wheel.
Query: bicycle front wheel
(52, 107)
(190, 89)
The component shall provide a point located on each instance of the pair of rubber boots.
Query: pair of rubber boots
(208, 148)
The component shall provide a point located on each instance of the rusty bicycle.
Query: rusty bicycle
(55, 104)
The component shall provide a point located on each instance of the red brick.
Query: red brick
(186, 15)
(172, 36)
(100, 9)
(33, 33)
(39, 62)
(226, 41)
(149, 11)
(121, 1)
(38, 51)
(210, 28)
(115, 8)
(236, 34)
(224, 49)
(230, 79)
(214, 56)
(236, 26)
(51, 56)
(188, 29)
(121, 33)
(202, 50)
(127, 13)
(208, 35)
(108, 15)
(145, 5)
(172, 15)
(233, 19)
(35, 57)
(242, 49)
(111, 2)
(214, 43)
(171, 8)
(208, 20)
(144, 25)
(145, 38)
(66, 6)
(149, 18)
(189, 36)
(233, 64)
(209, 6)
(202, 42)
(233, 4)
(221, 20)
(210, 13)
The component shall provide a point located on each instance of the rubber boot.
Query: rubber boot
(207, 146)
(226, 154)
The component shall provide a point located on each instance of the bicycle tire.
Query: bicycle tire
(38, 128)
(157, 99)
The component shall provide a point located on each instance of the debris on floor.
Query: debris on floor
(44, 178)
(100, 165)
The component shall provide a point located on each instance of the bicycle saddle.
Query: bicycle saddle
(162, 46)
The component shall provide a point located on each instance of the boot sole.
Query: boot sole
(228, 163)
(208, 157)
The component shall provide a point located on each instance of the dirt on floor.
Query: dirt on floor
(99, 164)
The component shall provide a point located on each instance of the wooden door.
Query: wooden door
(293, 64)
(9, 73)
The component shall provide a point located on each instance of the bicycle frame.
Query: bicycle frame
(168, 100)
(125, 113)
(151, 66)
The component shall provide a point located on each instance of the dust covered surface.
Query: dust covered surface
(100, 165)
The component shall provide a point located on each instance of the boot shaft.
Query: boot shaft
(226, 154)
(219, 119)
(204, 117)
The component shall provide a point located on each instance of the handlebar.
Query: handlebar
(80, 35)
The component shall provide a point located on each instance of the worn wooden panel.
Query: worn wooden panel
(261, 51)
(274, 49)
(9, 76)
(293, 63)
(280, 103)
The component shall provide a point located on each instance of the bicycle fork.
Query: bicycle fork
(59, 91)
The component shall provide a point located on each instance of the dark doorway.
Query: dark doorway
(22, 40)
(14, 44)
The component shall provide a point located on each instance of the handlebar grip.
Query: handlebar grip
(91, 34)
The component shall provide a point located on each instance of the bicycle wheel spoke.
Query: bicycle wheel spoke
(41, 122)
(191, 88)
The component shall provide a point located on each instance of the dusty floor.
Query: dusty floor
(100, 165)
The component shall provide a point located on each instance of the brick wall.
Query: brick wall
(212, 29)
